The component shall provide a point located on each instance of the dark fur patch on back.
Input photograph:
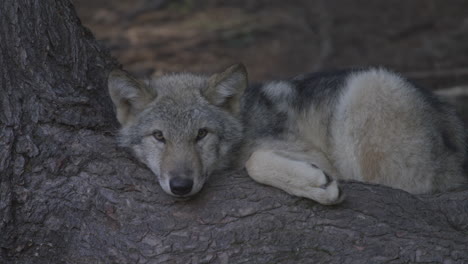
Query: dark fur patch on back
(320, 87)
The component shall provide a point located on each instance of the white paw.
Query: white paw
(328, 194)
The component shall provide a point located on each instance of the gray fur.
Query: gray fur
(366, 124)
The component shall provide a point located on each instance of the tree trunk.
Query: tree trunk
(69, 195)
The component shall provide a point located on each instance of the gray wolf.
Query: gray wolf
(299, 135)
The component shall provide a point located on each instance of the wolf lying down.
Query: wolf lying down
(299, 135)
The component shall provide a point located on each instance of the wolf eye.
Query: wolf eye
(202, 132)
(158, 135)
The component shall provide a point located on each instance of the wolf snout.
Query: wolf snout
(181, 186)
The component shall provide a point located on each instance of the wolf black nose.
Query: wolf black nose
(180, 186)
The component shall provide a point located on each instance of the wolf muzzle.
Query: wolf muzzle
(180, 186)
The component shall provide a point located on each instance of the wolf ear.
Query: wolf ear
(226, 88)
(129, 95)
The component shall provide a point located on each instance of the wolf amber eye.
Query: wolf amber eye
(201, 134)
(158, 135)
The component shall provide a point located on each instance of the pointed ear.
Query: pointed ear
(128, 94)
(225, 89)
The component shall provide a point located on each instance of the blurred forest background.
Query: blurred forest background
(425, 40)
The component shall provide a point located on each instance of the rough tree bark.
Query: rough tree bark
(69, 195)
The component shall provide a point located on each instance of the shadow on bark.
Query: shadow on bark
(69, 195)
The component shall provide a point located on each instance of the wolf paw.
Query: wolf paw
(328, 180)
(328, 194)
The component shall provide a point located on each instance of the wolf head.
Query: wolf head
(182, 126)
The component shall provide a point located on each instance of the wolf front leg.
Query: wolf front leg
(296, 177)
